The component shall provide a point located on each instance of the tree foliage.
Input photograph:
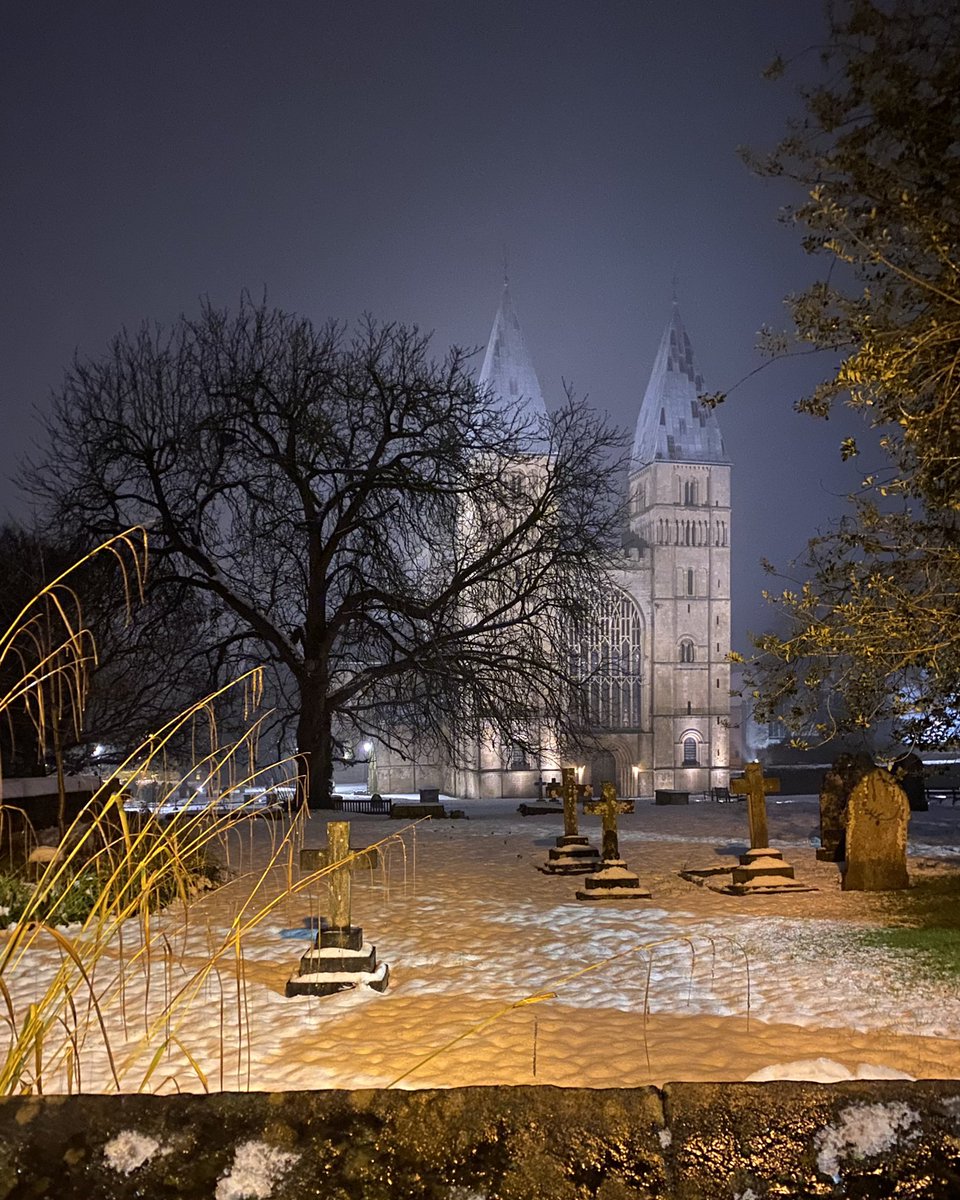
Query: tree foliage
(873, 633)
(401, 548)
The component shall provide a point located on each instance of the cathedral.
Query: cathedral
(658, 707)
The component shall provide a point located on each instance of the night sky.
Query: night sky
(387, 157)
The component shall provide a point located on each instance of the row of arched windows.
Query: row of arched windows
(690, 533)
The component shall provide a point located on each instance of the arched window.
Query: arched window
(690, 492)
(687, 651)
(689, 581)
(607, 657)
(517, 758)
(690, 752)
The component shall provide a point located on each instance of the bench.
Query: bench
(942, 795)
(720, 794)
(376, 804)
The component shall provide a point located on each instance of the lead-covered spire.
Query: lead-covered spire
(507, 367)
(673, 426)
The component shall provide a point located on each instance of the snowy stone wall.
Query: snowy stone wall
(684, 1142)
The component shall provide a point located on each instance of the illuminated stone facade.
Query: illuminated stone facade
(657, 697)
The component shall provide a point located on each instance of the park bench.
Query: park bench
(720, 794)
(376, 804)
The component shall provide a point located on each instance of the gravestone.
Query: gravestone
(838, 782)
(877, 816)
(614, 880)
(339, 958)
(572, 854)
(908, 771)
(755, 788)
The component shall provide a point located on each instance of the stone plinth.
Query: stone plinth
(763, 871)
(614, 881)
(340, 960)
(415, 810)
(572, 855)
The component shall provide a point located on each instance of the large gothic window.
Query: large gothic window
(607, 654)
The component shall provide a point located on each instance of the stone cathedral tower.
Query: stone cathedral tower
(679, 503)
(654, 655)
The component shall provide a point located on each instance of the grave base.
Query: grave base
(573, 855)
(415, 810)
(700, 875)
(763, 871)
(537, 810)
(614, 881)
(340, 959)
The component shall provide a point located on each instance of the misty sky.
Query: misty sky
(385, 157)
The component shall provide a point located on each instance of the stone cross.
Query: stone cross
(609, 807)
(569, 777)
(756, 789)
(339, 855)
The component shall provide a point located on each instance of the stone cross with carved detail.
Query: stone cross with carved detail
(609, 807)
(756, 789)
(568, 775)
(339, 855)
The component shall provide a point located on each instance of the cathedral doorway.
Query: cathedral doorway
(602, 768)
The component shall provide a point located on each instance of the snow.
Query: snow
(499, 975)
(129, 1150)
(256, 1168)
(862, 1131)
(824, 1070)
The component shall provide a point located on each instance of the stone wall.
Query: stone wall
(684, 1142)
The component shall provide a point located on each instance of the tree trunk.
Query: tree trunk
(315, 751)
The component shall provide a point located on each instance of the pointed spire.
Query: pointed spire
(507, 367)
(673, 426)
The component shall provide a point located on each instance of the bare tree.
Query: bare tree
(403, 548)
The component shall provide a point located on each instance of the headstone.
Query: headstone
(909, 773)
(572, 854)
(339, 958)
(838, 782)
(755, 788)
(877, 816)
(614, 880)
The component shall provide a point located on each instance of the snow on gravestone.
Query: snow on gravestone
(877, 816)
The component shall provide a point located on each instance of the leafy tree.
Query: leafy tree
(399, 547)
(873, 633)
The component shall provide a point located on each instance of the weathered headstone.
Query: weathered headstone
(877, 816)
(614, 880)
(572, 854)
(755, 788)
(909, 773)
(838, 782)
(339, 958)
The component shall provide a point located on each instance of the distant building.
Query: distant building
(656, 700)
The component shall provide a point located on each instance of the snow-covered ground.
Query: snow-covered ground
(499, 975)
